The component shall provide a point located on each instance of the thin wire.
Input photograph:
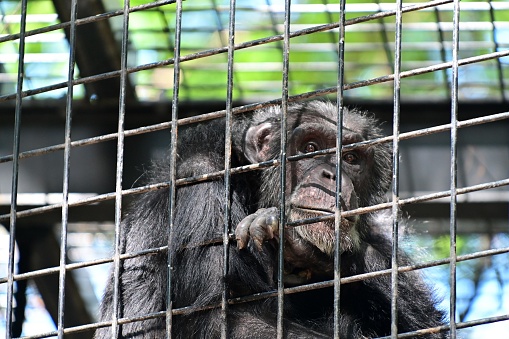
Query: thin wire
(454, 133)
(251, 107)
(227, 170)
(239, 109)
(395, 172)
(338, 173)
(282, 172)
(442, 48)
(187, 310)
(214, 175)
(90, 19)
(163, 249)
(117, 312)
(67, 159)
(274, 23)
(173, 165)
(385, 39)
(331, 18)
(15, 171)
(244, 45)
(219, 31)
(500, 71)
(395, 139)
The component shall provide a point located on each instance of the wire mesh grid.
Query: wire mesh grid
(269, 53)
(426, 41)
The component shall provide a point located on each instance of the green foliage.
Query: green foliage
(442, 244)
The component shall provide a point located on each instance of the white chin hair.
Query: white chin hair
(324, 241)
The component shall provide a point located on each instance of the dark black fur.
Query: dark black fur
(197, 275)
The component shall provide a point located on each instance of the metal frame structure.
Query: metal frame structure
(118, 74)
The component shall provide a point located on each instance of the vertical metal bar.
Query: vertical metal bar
(117, 312)
(227, 168)
(173, 163)
(282, 210)
(67, 158)
(15, 170)
(454, 133)
(395, 172)
(339, 145)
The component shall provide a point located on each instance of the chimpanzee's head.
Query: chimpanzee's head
(311, 182)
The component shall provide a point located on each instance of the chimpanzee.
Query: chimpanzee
(197, 274)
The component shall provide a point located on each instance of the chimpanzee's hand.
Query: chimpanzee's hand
(263, 225)
(259, 227)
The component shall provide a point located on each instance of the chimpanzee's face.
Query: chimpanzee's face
(311, 182)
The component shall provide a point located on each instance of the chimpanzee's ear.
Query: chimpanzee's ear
(257, 142)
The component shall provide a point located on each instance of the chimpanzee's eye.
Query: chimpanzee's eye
(350, 158)
(310, 147)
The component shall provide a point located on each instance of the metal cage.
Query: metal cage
(123, 77)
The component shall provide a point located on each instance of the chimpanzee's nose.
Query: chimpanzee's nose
(328, 174)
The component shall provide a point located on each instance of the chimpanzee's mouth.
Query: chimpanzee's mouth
(313, 210)
(321, 233)
(321, 212)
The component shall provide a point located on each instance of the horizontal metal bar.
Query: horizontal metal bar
(218, 174)
(75, 266)
(350, 8)
(222, 50)
(459, 325)
(290, 290)
(236, 170)
(403, 202)
(87, 20)
(162, 249)
(312, 94)
(239, 110)
(215, 175)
